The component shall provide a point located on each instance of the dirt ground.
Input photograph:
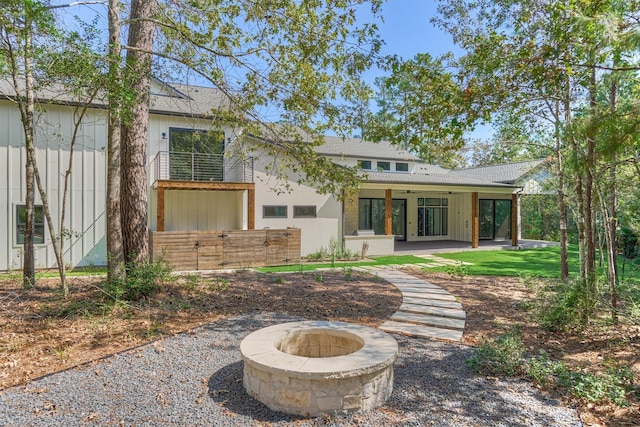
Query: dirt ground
(41, 332)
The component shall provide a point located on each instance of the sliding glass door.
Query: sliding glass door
(371, 214)
(495, 219)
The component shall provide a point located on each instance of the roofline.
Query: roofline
(104, 106)
(539, 160)
(489, 184)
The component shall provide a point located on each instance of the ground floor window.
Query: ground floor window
(21, 223)
(495, 219)
(371, 215)
(274, 211)
(433, 216)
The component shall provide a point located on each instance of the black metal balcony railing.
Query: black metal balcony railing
(201, 167)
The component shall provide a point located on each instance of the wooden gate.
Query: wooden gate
(211, 250)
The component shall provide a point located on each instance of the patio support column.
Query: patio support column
(388, 226)
(251, 208)
(160, 209)
(514, 219)
(475, 223)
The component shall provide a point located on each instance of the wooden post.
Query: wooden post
(475, 222)
(514, 220)
(251, 208)
(388, 226)
(160, 209)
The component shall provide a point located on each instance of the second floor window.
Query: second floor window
(196, 154)
(364, 164)
(384, 166)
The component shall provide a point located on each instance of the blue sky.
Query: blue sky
(406, 30)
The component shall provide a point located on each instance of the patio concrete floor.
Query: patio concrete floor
(441, 246)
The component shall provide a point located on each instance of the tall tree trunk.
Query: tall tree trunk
(27, 111)
(589, 200)
(133, 196)
(115, 256)
(612, 247)
(578, 176)
(562, 204)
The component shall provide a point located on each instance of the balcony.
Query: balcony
(200, 167)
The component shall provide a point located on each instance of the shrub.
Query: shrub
(563, 305)
(142, 280)
(504, 356)
(334, 252)
(457, 270)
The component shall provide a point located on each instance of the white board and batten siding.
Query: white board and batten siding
(84, 217)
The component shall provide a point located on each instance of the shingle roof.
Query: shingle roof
(507, 173)
(188, 100)
(434, 179)
(176, 99)
(356, 147)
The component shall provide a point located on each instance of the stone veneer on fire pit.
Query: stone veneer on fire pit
(314, 367)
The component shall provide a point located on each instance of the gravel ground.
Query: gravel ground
(195, 379)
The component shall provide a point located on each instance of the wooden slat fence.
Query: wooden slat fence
(211, 250)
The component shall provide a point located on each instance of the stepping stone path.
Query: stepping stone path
(427, 310)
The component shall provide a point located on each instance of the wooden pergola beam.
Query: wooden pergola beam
(475, 222)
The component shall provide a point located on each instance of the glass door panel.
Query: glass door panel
(486, 212)
(502, 219)
(398, 218)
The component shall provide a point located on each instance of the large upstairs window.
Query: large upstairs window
(196, 154)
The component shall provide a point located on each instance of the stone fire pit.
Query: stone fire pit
(314, 367)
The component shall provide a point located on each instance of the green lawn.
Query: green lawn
(544, 262)
(381, 261)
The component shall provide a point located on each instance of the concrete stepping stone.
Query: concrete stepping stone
(422, 331)
(434, 311)
(413, 289)
(425, 319)
(432, 303)
(430, 295)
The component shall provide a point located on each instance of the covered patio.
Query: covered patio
(440, 246)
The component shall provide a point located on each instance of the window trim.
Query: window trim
(405, 164)
(362, 162)
(18, 224)
(265, 207)
(379, 168)
(297, 215)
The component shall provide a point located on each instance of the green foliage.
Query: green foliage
(302, 59)
(613, 386)
(560, 305)
(319, 278)
(504, 356)
(422, 108)
(347, 272)
(459, 269)
(141, 281)
(541, 218)
(334, 252)
(628, 241)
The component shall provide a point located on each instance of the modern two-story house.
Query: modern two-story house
(195, 186)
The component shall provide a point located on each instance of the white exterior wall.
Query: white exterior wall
(315, 232)
(202, 210)
(85, 214)
(84, 217)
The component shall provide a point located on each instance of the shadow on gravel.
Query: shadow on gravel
(433, 382)
(226, 389)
